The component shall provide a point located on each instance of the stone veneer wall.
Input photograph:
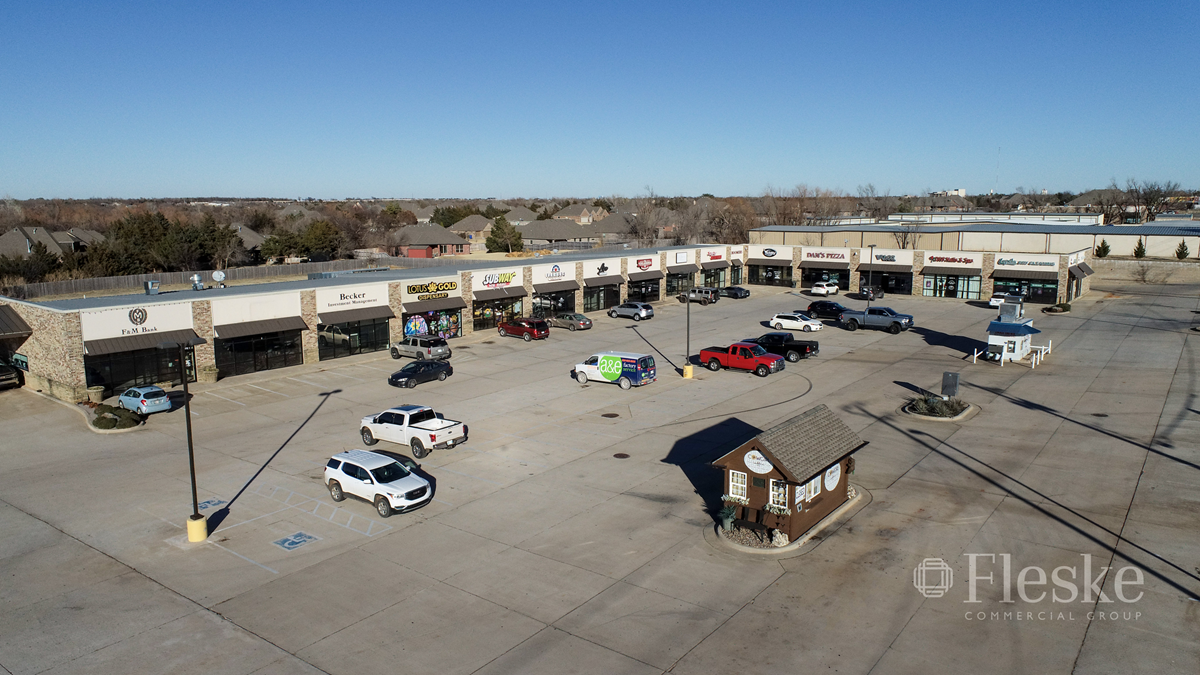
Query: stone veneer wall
(624, 287)
(987, 286)
(1064, 278)
(55, 352)
(396, 325)
(579, 291)
(855, 256)
(527, 301)
(918, 285)
(468, 322)
(308, 338)
(206, 354)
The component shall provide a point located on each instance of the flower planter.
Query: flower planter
(207, 374)
(727, 524)
(95, 394)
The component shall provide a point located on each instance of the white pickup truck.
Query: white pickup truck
(416, 426)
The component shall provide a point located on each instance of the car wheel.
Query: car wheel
(527, 337)
(894, 329)
(807, 328)
(573, 328)
(777, 326)
(581, 377)
(852, 326)
(637, 317)
(395, 353)
(613, 314)
(420, 356)
(762, 371)
(368, 437)
(418, 448)
(383, 506)
(442, 376)
(449, 353)
(412, 384)
(793, 356)
(335, 491)
(502, 332)
(704, 303)
(625, 383)
(714, 365)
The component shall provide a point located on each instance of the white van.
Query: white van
(624, 368)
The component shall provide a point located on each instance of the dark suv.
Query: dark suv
(527, 329)
(825, 309)
(785, 345)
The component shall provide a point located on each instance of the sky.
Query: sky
(446, 99)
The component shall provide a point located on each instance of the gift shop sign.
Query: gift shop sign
(433, 289)
(496, 279)
(123, 321)
(954, 259)
(351, 297)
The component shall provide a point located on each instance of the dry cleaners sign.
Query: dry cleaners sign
(125, 321)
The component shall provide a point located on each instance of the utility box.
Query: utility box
(151, 287)
(949, 384)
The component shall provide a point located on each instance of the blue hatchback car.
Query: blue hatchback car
(144, 400)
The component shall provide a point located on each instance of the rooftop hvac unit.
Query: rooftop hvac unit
(151, 287)
(197, 282)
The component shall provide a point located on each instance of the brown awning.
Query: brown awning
(12, 325)
(770, 262)
(556, 287)
(892, 269)
(236, 330)
(646, 276)
(952, 271)
(1087, 269)
(826, 264)
(603, 281)
(500, 293)
(434, 305)
(735, 262)
(360, 314)
(683, 269)
(1024, 274)
(1080, 271)
(715, 265)
(133, 343)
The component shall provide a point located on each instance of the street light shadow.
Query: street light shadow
(656, 350)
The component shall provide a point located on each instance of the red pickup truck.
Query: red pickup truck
(742, 355)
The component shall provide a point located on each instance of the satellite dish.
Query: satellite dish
(218, 276)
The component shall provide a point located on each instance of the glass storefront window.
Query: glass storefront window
(896, 284)
(546, 305)
(1033, 291)
(735, 275)
(600, 298)
(644, 291)
(117, 372)
(678, 283)
(352, 337)
(811, 275)
(768, 275)
(250, 354)
(489, 313)
(715, 278)
(445, 323)
(950, 286)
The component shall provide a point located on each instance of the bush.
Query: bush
(1064, 306)
(1182, 251)
(103, 409)
(105, 422)
(1139, 251)
(1103, 249)
(727, 511)
(934, 406)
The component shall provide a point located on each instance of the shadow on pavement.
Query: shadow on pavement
(695, 454)
(959, 343)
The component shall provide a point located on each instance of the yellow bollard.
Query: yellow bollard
(197, 528)
(687, 372)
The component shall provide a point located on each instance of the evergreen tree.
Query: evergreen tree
(1182, 251)
(1139, 251)
(504, 237)
(1103, 249)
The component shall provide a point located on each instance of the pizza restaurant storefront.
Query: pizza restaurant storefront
(497, 296)
(826, 264)
(952, 274)
(645, 278)
(433, 307)
(769, 266)
(121, 350)
(352, 320)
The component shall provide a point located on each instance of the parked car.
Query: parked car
(378, 479)
(871, 293)
(736, 292)
(884, 318)
(421, 347)
(787, 346)
(417, 372)
(824, 309)
(416, 426)
(144, 400)
(704, 296)
(571, 321)
(795, 322)
(998, 299)
(526, 329)
(635, 310)
(9, 376)
(743, 356)
(824, 288)
(624, 368)
(328, 335)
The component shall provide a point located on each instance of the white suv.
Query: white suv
(824, 288)
(378, 479)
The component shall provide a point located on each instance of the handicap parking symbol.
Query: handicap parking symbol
(295, 541)
(212, 503)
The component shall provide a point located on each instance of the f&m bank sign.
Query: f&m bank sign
(125, 321)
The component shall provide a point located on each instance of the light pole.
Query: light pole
(197, 526)
(870, 276)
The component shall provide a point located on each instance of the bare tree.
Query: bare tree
(732, 224)
(1150, 198)
(907, 234)
(874, 204)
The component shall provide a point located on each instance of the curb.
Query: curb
(87, 422)
(971, 411)
(811, 539)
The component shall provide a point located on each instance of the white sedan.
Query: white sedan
(795, 322)
(824, 288)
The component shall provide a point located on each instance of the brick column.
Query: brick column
(527, 303)
(308, 338)
(205, 354)
(396, 325)
(918, 285)
(468, 322)
(855, 256)
(797, 282)
(624, 288)
(579, 291)
(1064, 278)
(986, 286)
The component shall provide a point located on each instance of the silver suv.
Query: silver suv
(421, 347)
(704, 296)
(636, 310)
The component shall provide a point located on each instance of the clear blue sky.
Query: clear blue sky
(476, 99)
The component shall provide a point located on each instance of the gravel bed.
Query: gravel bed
(747, 537)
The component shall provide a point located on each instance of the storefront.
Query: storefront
(121, 346)
(13, 333)
(715, 267)
(1033, 277)
(645, 278)
(736, 265)
(352, 320)
(433, 308)
(1077, 272)
(255, 333)
(769, 266)
(888, 269)
(831, 265)
(602, 284)
(681, 271)
(497, 296)
(554, 289)
(952, 274)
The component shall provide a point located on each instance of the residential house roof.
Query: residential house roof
(808, 443)
(555, 229)
(615, 223)
(472, 223)
(1095, 197)
(520, 214)
(250, 239)
(424, 214)
(19, 241)
(424, 235)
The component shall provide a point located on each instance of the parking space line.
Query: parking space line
(382, 370)
(252, 562)
(334, 372)
(311, 384)
(270, 390)
(303, 505)
(226, 399)
(442, 502)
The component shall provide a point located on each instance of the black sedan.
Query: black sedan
(825, 309)
(734, 292)
(787, 346)
(420, 371)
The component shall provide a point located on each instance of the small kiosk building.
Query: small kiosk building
(1009, 339)
(789, 477)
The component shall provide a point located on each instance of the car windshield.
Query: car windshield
(758, 351)
(389, 473)
(411, 368)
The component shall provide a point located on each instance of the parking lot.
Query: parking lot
(543, 553)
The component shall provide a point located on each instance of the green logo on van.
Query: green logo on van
(610, 367)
